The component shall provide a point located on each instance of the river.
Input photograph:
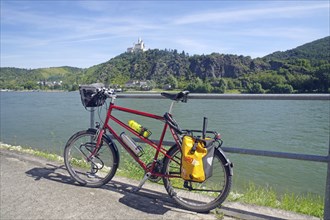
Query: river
(45, 120)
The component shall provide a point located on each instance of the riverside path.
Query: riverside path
(35, 188)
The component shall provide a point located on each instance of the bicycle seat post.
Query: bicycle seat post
(171, 107)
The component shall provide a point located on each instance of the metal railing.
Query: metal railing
(234, 96)
(306, 157)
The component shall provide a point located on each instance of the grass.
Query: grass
(308, 204)
(130, 168)
(27, 150)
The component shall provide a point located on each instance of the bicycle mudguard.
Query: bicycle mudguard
(107, 137)
(229, 164)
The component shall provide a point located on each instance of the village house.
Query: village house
(137, 84)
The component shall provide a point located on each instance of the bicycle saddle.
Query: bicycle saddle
(181, 96)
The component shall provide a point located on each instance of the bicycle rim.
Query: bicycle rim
(198, 197)
(95, 171)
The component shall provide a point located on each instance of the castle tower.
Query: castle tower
(140, 46)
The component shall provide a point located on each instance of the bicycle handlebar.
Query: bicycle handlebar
(109, 93)
(181, 96)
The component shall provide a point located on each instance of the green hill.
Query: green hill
(42, 78)
(313, 51)
(303, 69)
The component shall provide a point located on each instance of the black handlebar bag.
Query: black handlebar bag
(90, 95)
(197, 158)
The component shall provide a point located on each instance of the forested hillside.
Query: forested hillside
(303, 69)
(44, 78)
(314, 51)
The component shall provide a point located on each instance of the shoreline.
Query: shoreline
(56, 90)
(326, 95)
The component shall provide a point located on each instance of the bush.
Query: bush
(255, 88)
(282, 88)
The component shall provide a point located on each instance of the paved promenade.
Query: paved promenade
(34, 188)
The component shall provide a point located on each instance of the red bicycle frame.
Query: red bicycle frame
(158, 146)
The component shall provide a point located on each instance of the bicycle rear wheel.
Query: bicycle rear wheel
(93, 172)
(198, 197)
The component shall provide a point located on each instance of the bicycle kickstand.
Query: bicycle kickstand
(145, 178)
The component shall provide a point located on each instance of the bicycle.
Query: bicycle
(92, 157)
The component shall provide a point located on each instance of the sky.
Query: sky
(49, 33)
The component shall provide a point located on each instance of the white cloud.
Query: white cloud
(290, 33)
(70, 30)
(248, 14)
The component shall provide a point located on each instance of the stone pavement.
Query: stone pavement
(34, 188)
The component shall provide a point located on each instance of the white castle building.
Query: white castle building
(137, 47)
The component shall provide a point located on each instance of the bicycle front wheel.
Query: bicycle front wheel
(197, 197)
(97, 170)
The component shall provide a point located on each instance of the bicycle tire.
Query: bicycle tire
(198, 201)
(97, 171)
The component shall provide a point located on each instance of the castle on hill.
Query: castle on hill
(140, 46)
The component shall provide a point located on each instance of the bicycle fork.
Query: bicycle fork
(98, 139)
(91, 157)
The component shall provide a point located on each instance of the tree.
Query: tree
(30, 85)
(230, 84)
(301, 82)
(205, 88)
(171, 80)
(255, 88)
(221, 87)
(195, 85)
(322, 75)
(74, 87)
(151, 84)
(301, 63)
(270, 79)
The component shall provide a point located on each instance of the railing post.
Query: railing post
(326, 214)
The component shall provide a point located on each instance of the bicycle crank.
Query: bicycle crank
(136, 189)
(157, 169)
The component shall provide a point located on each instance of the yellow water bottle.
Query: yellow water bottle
(139, 128)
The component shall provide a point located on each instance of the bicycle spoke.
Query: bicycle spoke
(90, 170)
(193, 195)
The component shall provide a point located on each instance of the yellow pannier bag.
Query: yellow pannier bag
(197, 158)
